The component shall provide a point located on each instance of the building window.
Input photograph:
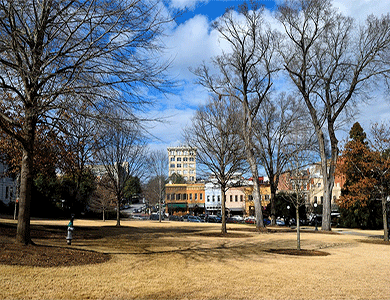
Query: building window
(241, 198)
(192, 178)
(178, 196)
(200, 196)
(236, 198)
(213, 198)
(172, 158)
(172, 166)
(219, 198)
(322, 199)
(186, 152)
(6, 192)
(191, 165)
(191, 152)
(250, 197)
(192, 159)
(319, 184)
(208, 198)
(178, 165)
(315, 199)
(231, 198)
(178, 159)
(266, 197)
(190, 196)
(185, 158)
(196, 196)
(172, 152)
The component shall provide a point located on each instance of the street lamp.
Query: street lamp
(315, 215)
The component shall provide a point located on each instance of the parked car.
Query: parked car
(250, 220)
(154, 216)
(214, 219)
(280, 222)
(266, 221)
(175, 218)
(194, 219)
(238, 219)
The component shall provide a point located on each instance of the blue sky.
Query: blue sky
(192, 41)
(215, 8)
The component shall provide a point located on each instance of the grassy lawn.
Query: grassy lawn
(176, 260)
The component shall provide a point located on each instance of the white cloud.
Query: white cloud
(189, 44)
(182, 4)
(360, 9)
(169, 132)
(194, 41)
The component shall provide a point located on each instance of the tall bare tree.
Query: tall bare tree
(297, 177)
(330, 60)
(122, 154)
(214, 131)
(380, 143)
(102, 199)
(278, 121)
(51, 50)
(157, 164)
(244, 72)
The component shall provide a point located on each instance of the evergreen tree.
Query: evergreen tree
(358, 207)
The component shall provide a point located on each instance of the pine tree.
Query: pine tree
(358, 207)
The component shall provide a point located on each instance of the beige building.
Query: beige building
(182, 160)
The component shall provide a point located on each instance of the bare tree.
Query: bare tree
(122, 155)
(297, 177)
(330, 60)
(278, 120)
(102, 199)
(380, 167)
(214, 132)
(244, 72)
(78, 136)
(157, 163)
(51, 50)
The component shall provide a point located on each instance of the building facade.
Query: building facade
(182, 160)
(213, 204)
(186, 198)
(8, 186)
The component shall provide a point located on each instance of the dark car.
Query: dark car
(155, 217)
(194, 219)
(214, 219)
(175, 218)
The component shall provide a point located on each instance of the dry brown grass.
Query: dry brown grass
(173, 260)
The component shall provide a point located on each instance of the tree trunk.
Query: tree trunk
(118, 213)
(327, 181)
(159, 199)
(384, 214)
(26, 181)
(272, 201)
(223, 208)
(256, 193)
(298, 228)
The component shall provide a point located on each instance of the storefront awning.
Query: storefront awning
(177, 205)
(236, 209)
(192, 205)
